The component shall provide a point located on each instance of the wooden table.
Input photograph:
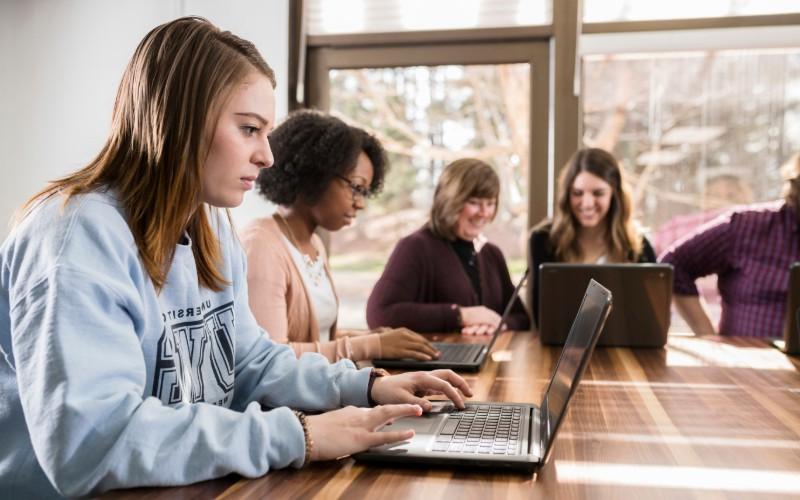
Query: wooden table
(706, 417)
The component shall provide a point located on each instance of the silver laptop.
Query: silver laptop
(456, 356)
(503, 435)
(642, 296)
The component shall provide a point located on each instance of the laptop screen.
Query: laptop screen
(507, 310)
(573, 360)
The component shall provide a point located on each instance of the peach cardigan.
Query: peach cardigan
(280, 303)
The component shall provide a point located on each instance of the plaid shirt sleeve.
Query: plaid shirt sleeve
(706, 251)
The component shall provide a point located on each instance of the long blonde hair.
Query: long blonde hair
(461, 180)
(791, 174)
(622, 240)
(166, 110)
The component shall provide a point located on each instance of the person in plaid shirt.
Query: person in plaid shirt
(750, 249)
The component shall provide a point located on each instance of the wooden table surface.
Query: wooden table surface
(706, 417)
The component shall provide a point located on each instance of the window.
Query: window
(683, 122)
(430, 105)
(640, 10)
(327, 17)
(427, 117)
(696, 131)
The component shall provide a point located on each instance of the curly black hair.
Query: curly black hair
(310, 150)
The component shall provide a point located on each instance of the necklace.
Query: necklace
(314, 270)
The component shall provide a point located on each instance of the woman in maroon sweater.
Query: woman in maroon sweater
(446, 276)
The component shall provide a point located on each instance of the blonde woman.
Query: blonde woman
(593, 221)
(446, 276)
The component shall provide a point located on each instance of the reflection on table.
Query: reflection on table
(707, 416)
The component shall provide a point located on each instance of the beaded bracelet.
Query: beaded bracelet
(309, 443)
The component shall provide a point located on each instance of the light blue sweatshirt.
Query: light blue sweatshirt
(105, 383)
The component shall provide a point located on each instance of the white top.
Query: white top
(319, 289)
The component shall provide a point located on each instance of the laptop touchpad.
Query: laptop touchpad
(424, 432)
(426, 424)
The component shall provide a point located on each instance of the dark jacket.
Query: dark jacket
(424, 283)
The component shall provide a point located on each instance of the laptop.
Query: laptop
(503, 435)
(456, 356)
(642, 296)
(791, 327)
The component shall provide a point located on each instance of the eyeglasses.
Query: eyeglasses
(356, 189)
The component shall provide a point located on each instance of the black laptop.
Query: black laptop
(456, 356)
(642, 296)
(503, 435)
(791, 326)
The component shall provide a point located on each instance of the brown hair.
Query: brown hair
(461, 180)
(623, 242)
(791, 192)
(167, 106)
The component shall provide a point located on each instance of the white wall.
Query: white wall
(61, 62)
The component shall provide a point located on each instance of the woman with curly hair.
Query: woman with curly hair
(593, 221)
(446, 276)
(324, 171)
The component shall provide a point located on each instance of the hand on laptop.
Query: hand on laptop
(397, 343)
(412, 387)
(478, 320)
(349, 430)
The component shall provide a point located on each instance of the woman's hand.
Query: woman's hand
(412, 387)
(403, 343)
(478, 320)
(479, 329)
(349, 430)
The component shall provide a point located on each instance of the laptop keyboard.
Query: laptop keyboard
(458, 353)
(482, 429)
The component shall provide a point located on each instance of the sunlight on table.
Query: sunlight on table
(691, 352)
(692, 478)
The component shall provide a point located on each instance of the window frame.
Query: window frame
(536, 54)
